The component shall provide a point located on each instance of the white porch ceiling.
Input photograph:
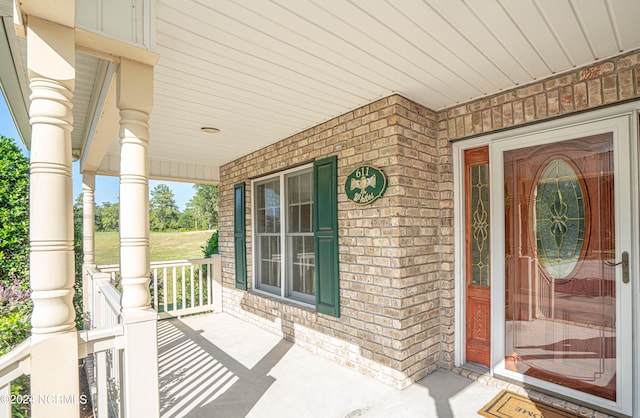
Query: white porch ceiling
(263, 70)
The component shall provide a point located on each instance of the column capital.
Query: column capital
(134, 86)
(51, 53)
(89, 181)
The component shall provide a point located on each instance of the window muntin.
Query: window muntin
(284, 214)
(301, 264)
(268, 240)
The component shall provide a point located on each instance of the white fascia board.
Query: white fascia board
(99, 137)
(62, 12)
(180, 171)
(10, 85)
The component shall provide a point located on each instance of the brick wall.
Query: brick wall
(397, 255)
(389, 251)
(608, 82)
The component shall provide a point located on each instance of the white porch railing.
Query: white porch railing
(177, 288)
(105, 340)
(13, 365)
(102, 345)
(182, 287)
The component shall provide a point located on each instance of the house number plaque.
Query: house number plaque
(365, 185)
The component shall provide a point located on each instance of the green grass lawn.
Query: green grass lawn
(165, 246)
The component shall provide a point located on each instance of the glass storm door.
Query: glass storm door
(478, 291)
(561, 285)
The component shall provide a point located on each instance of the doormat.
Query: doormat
(511, 405)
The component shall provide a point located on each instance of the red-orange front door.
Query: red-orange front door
(478, 281)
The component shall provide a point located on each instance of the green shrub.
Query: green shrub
(15, 303)
(15, 325)
(212, 245)
(21, 387)
(78, 257)
(14, 214)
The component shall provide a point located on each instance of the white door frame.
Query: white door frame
(623, 120)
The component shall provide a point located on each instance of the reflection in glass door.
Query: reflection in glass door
(560, 294)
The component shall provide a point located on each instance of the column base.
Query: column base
(55, 386)
(141, 386)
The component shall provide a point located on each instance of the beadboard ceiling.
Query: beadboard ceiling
(263, 70)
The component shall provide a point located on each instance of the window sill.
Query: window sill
(297, 303)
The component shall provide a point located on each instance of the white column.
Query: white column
(88, 241)
(54, 352)
(88, 218)
(135, 100)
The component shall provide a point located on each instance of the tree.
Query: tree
(14, 214)
(187, 220)
(107, 217)
(78, 213)
(164, 211)
(204, 204)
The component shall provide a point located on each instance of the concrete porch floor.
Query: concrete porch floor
(219, 366)
(216, 365)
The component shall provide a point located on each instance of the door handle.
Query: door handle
(625, 266)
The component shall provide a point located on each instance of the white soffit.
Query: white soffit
(89, 72)
(263, 70)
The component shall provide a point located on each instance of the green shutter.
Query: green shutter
(325, 226)
(239, 236)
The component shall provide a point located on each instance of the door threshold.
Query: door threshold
(483, 375)
(478, 368)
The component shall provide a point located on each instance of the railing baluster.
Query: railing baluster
(165, 285)
(209, 277)
(193, 298)
(102, 384)
(118, 377)
(200, 285)
(191, 295)
(184, 289)
(155, 289)
(175, 290)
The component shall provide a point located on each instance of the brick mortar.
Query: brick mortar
(397, 255)
(584, 90)
(389, 282)
(606, 82)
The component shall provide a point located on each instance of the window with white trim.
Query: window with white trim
(284, 235)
